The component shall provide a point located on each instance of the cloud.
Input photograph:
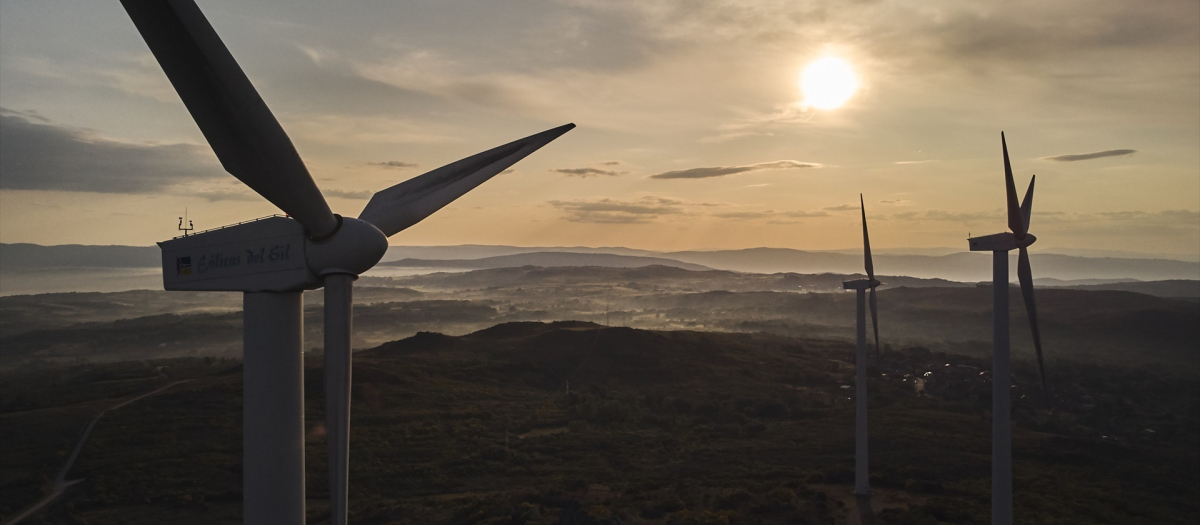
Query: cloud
(726, 136)
(588, 172)
(777, 216)
(721, 171)
(1022, 36)
(907, 162)
(38, 155)
(744, 214)
(393, 164)
(1182, 216)
(610, 211)
(227, 195)
(349, 194)
(894, 201)
(1090, 156)
(140, 75)
(951, 216)
(842, 207)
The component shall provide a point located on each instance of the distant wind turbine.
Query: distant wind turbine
(861, 478)
(1000, 244)
(273, 260)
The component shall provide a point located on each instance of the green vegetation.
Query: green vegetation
(658, 427)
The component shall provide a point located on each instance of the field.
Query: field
(658, 427)
(675, 396)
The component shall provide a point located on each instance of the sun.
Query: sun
(828, 83)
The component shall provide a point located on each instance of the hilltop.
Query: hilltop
(656, 428)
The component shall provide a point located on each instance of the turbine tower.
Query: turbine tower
(861, 481)
(274, 259)
(1000, 244)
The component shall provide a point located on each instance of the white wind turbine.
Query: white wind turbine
(273, 260)
(861, 478)
(1000, 244)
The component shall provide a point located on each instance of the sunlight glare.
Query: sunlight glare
(828, 83)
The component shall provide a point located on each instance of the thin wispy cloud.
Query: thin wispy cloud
(744, 214)
(588, 172)
(907, 162)
(1183, 216)
(732, 135)
(950, 216)
(612, 211)
(139, 76)
(721, 171)
(841, 207)
(393, 164)
(348, 194)
(770, 214)
(1095, 155)
(227, 195)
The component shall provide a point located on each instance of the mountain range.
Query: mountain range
(963, 266)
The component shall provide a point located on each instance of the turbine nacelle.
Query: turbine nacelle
(860, 284)
(272, 254)
(1000, 242)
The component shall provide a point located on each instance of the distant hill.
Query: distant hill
(1170, 288)
(1059, 283)
(963, 267)
(479, 251)
(653, 278)
(966, 266)
(22, 256)
(547, 259)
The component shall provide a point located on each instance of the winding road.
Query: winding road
(60, 483)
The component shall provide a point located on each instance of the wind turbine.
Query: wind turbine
(274, 259)
(1000, 244)
(861, 480)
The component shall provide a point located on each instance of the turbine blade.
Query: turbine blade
(866, 242)
(1025, 275)
(339, 300)
(1014, 211)
(1027, 204)
(875, 320)
(236, 122)
(405, 204)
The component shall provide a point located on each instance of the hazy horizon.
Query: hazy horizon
(931, 251)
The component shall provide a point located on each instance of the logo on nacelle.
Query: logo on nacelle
(183, 266)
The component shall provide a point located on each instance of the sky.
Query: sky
(693, 131)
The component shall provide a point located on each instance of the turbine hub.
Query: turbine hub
(355, 247)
